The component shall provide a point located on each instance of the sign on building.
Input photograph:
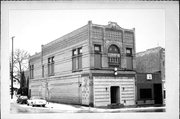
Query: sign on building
(149, 77)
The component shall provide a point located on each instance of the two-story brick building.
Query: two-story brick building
(93, 65)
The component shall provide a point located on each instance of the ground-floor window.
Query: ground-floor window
(146, 93)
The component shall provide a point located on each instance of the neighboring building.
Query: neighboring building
(149, 89)
(152, 61)
(93, 65)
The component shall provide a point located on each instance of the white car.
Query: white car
(36, 101)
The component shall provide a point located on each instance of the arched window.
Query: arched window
(113, 49)
(113, 56)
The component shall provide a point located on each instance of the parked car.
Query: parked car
(22, 99)
(36, 101)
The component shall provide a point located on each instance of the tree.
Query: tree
(23, 80)
(20, 64)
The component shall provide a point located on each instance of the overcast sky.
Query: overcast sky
(32, 28)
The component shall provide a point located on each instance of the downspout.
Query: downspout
(89, 38)
(41, 67)
(134, 66)
(134, 55)
(42, 60)
(123, 59)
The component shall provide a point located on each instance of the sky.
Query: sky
(33, 28)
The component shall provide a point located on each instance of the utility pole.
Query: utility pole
(12, 70)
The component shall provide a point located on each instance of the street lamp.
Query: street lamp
(115, 71)
(12, 70)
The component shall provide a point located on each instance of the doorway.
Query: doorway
(115, 94)
(158, 99)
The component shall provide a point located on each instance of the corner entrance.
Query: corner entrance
(158, 94)
(115, 97)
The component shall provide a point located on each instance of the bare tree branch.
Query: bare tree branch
(19, 63)
(16, 79)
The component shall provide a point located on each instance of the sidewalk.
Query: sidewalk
(79, 108)
(63, 107)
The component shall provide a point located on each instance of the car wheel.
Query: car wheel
(43, 105)
(27, 104)
(33, 105)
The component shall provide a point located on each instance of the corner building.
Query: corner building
(93, 65)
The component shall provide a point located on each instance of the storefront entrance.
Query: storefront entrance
(158, 94)
(115, 97)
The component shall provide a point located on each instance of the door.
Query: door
(158, 94)
(115, 97)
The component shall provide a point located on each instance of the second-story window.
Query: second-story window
(113, 56)
(77, 59)
(31, 71)
(97, 48)
(97, 56)
(51, 66)
(129, 51)
(80, 58)
(129, 58)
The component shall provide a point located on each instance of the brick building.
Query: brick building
(152, 61)
(93, 65)
(149, 89)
